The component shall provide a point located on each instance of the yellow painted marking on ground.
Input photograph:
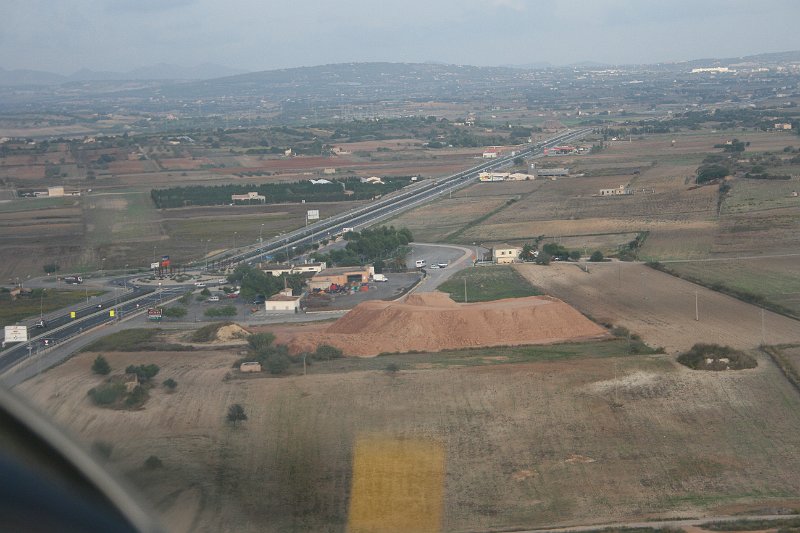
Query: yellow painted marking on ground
(398, 485)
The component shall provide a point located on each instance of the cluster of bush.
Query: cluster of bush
(715, 357)
(275, 357)
(555, 252)
(114, 393)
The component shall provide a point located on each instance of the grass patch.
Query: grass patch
(747, 286)
(469, 357)
(134, 340)
(488, 283)
(12, 311)
(752, 525)
(208, 333)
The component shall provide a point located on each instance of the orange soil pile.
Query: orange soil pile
(434, 322)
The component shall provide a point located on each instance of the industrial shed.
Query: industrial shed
(339, 276)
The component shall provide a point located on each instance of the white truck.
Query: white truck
(379, 277)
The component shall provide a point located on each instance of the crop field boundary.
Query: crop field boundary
(786, 367)
(744, 296)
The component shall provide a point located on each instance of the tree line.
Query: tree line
(277, 192)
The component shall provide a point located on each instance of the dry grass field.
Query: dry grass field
(566, 441)
(660, 307)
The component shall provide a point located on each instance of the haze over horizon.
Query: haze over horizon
(122, 35)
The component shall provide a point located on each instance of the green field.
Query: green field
(488, 283)
(42, 301)
(771, 282)
(35, 204)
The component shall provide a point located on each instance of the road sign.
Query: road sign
(16, 334)
(72, 314)
(111, 312)
(154, 313)
(154, 266)
(313, 214)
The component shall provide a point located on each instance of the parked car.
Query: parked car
(199, 284)
(40, 324)
(212, 299)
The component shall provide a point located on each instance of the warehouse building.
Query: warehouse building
(339, 276)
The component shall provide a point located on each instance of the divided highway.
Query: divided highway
(395, 204)
(62, 328)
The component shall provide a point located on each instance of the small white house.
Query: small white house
(282, 303)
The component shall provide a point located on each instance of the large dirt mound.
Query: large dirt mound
(434, 322)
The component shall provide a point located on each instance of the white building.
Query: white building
(283, 303)
(248, 197)
(619, 191)
(505, 253)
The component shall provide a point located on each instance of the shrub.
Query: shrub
(715, 357)
(143, 372)
(236, 413)
(153, 462)
(107, 394)
(278, 363)
(228, 310)
(175, 312)
(170, 384)
(393, 368)
(137, 397)
(102, 449)
(326, 352)
(260, 341)
(575, 255)
(101, 366)
(596, 257)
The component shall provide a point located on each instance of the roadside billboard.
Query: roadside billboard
(16, 334)
(313, 214)
(154, 266)
(154, 313)
(165, 261)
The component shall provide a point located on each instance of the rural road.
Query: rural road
(655, 524)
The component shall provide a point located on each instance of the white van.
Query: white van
(419, 263)
(213, 299)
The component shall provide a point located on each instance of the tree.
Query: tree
(50, 268)
(325, 352)
(596, 257)
(575, 255)
(379, 266)
(143, 372)
(236, 413)
(711, 172)
(527, 252)
(260, 341)
(101, 366)
(170, 384)
(175, 312)
(393, 368)
(543, 258)
(278, 363)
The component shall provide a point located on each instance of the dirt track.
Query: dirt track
(660, 307)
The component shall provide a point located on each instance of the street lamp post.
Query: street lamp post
(234, 240)
(207, 241)
(102, 266)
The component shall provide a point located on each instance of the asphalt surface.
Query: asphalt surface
(390, 205)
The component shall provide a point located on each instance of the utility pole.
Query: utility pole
(696, 308)
(763, 334)
(465, 290)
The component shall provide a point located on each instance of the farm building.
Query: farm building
(279, 270)
(373, 180)
(275, 270)
(283, 303)
(492, 176)
(505, 253)
(306, 268)
(55, 192)
(248, 197)
(250, 366)
(339, 276)
(491, 153)
(619, 191)
(549, 172)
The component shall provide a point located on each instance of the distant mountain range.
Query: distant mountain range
(161, 71)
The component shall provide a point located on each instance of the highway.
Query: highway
(394, 204)
(64, 326)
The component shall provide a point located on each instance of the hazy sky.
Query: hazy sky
(67, 35)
